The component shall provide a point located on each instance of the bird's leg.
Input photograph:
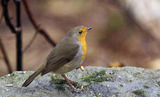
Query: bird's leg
(70, 83)
(69, 80)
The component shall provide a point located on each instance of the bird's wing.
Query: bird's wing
(60, 56)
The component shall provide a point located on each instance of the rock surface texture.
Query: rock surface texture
(94, 82)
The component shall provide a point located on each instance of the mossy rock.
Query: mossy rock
(94, 82)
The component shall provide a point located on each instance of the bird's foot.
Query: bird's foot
(74, 89)
(81, 67)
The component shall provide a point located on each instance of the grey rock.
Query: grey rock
(115, 82)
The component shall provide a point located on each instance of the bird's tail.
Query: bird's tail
(34, 75)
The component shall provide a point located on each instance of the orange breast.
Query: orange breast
(84, 49)
(81, 39)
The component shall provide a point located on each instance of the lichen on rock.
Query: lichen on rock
(95, 81)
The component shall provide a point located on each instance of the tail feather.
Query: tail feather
(34, 75)
(30, 79)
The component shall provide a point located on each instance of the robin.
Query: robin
(66, 56)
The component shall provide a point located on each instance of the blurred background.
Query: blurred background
(125, 32)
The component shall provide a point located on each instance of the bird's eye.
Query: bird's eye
(80, 32)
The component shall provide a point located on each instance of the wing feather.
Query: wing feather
(60, 56)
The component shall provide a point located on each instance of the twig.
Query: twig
(36, 26)
(5, 57)
(6, 15)
(18, 35)
(31, 41)
(1, 15)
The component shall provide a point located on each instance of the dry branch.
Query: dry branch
(14, 30)
(1, 17)
(18, 35)
(1, 14)
(5, 57)
(31, 41)
(6, 15)
(36, 26)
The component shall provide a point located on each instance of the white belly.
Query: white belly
(69, 67)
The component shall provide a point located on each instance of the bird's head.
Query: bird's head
(78, 33)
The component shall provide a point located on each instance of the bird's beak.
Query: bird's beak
(89, 28)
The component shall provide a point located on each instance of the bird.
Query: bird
(67, 55)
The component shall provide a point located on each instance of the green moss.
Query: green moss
(121, 85)
(96, 95)
(158, 83)
(139, 92)
(97, 77)
(60, 87)
(60, 83)
(145, 86)
(76, 84)
(113, 72)
(12, 74)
